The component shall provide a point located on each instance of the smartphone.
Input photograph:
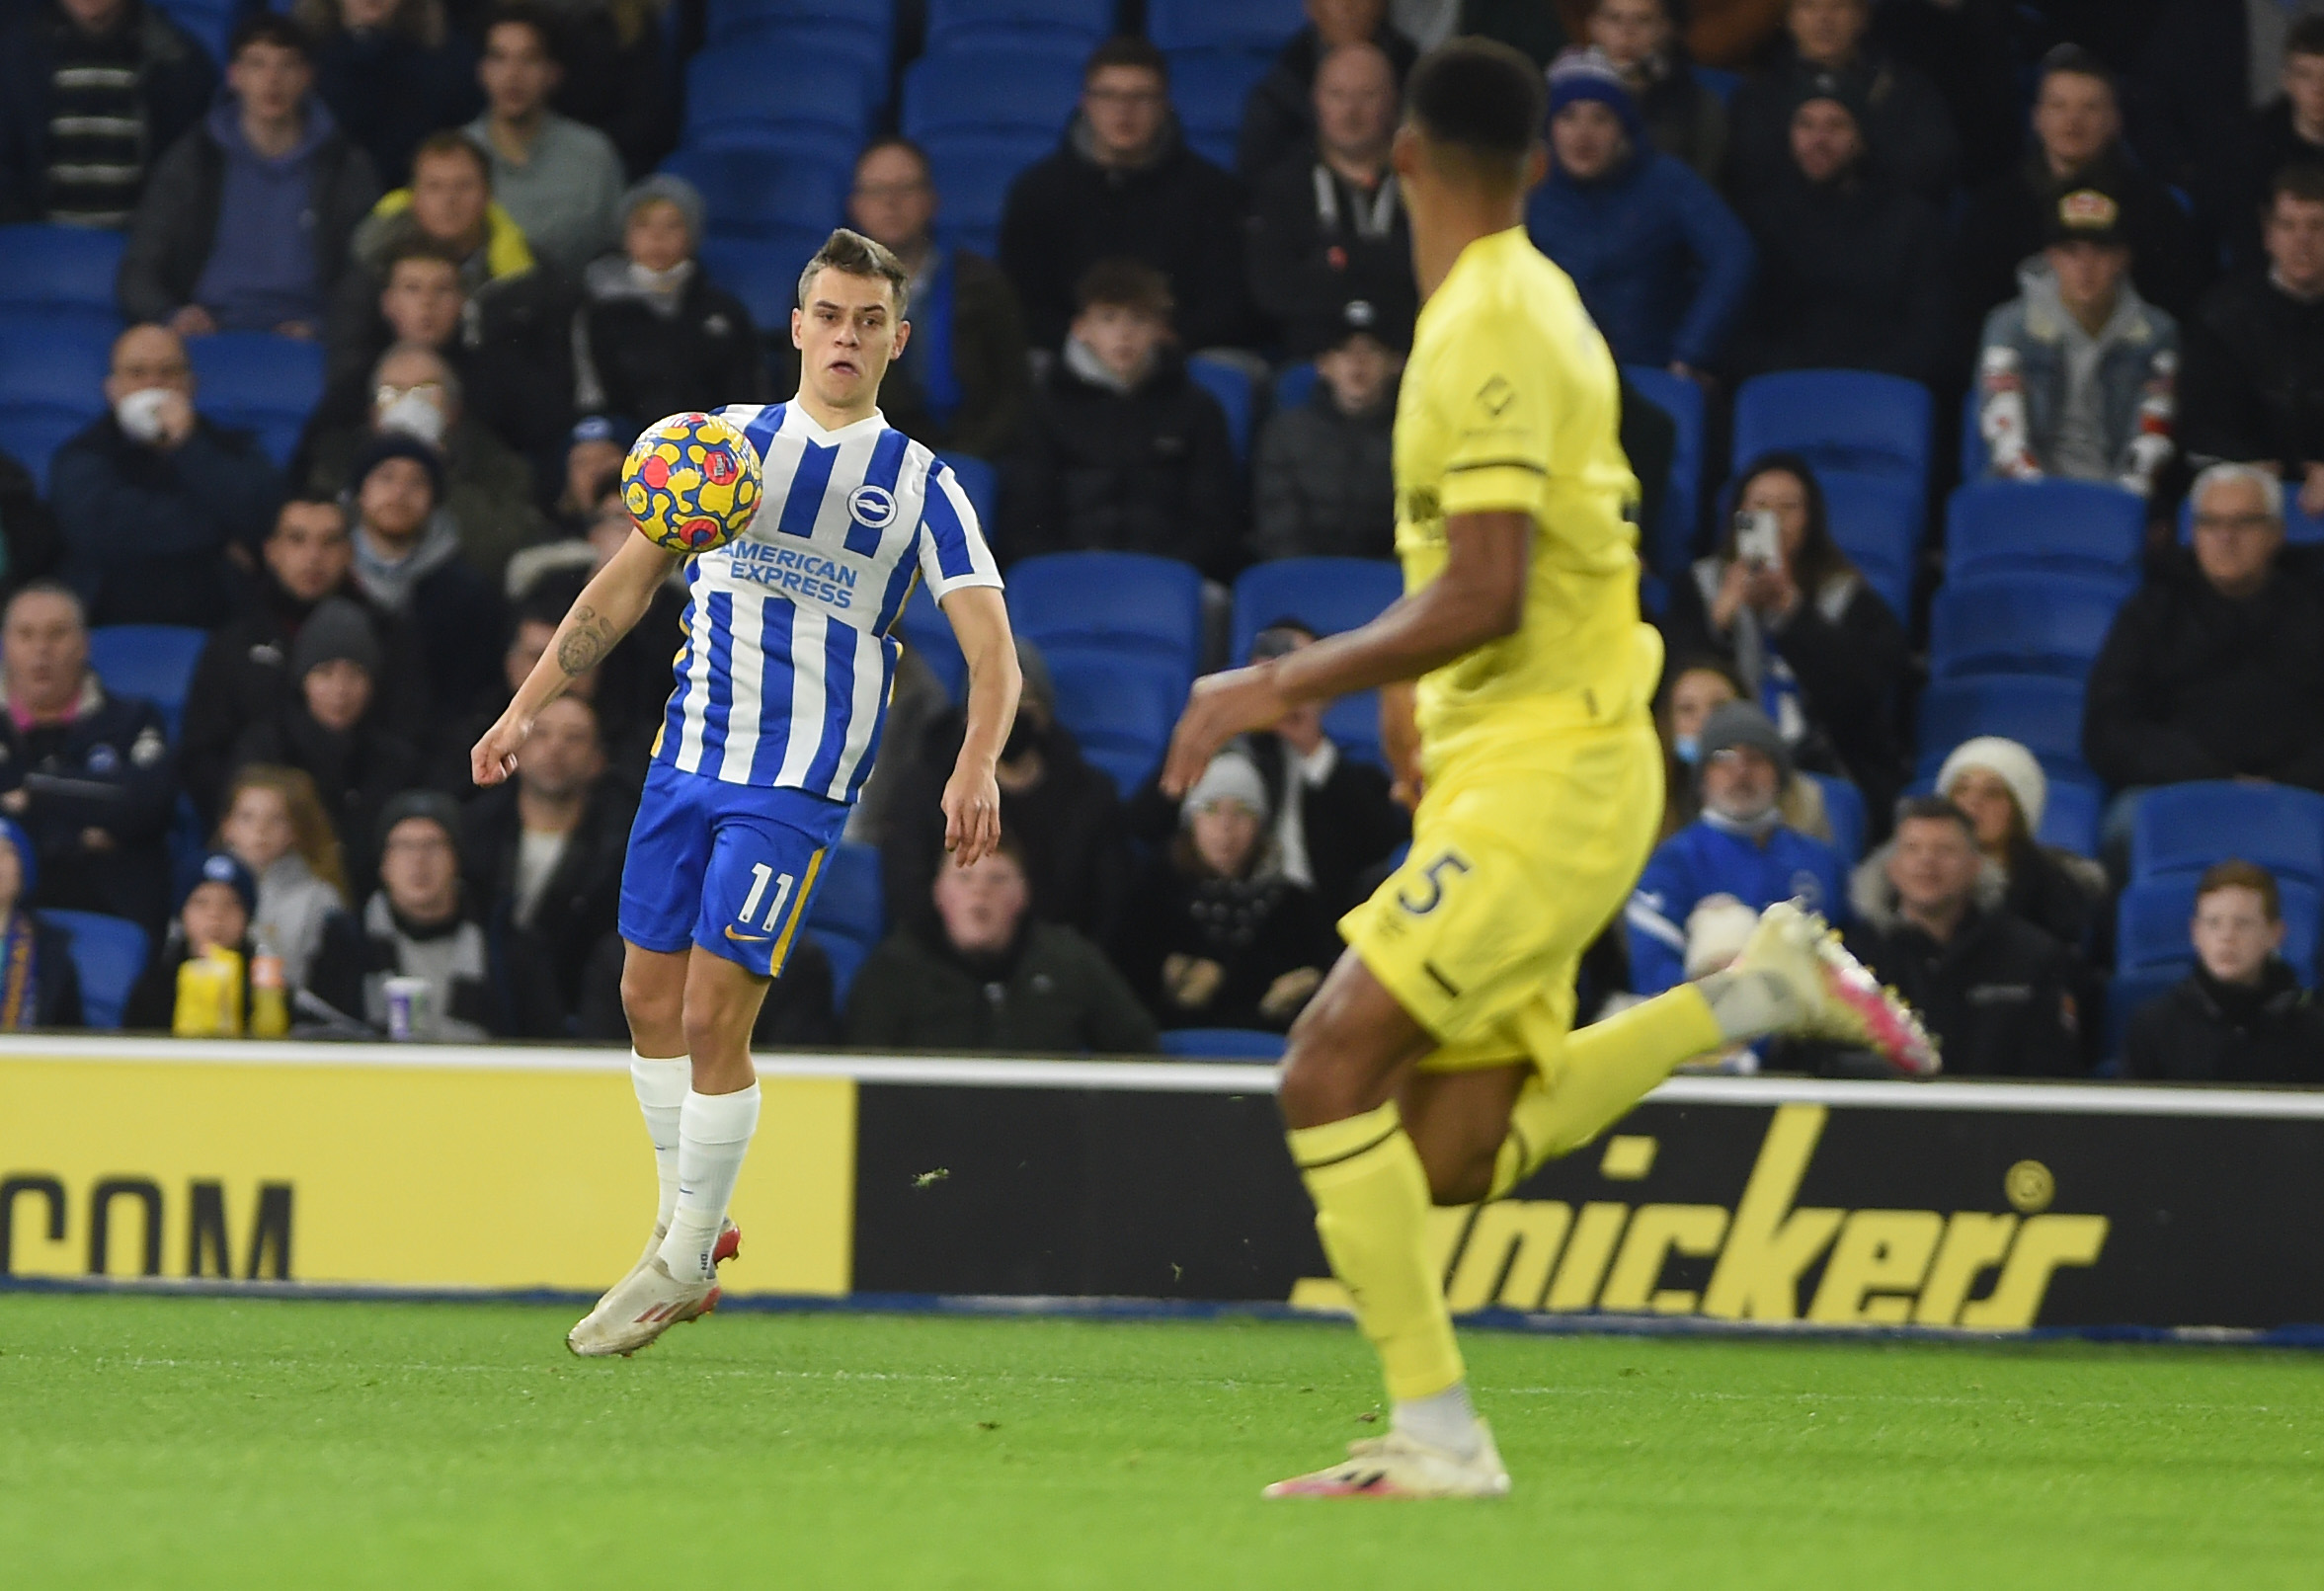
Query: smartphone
(1759, 539)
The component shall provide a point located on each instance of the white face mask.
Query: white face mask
(138, 414)
(414, 416)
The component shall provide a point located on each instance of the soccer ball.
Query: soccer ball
(691, 483)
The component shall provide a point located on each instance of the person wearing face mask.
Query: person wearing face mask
(1740, 847)
(407, 561)
(1693, 689)
(39, 985)
(2241, 1014)
(654, 336)
(154, 498)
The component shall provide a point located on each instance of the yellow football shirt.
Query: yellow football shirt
(1510, 404)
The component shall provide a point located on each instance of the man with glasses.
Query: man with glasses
(415, 925)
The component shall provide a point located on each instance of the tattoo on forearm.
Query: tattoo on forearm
(585, 642)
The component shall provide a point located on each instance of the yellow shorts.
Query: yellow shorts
(1518, 863)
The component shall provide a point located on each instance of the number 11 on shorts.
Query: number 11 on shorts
(761, 876)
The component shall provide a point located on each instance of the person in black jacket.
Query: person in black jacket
(28, 531)
(2287, 131)
(1851, 270)
(1279, 117)
(89, 91)
(1124, 183)
(1324, 483)
(407, 560)
(1905, 121)
(392, 73)
(246, 223)
(1995, 991)
(1123, 450)
(1684, 117)
(2253, 388)
(414, 926)
(654, 335)
(39, 987)
(2241, 1014)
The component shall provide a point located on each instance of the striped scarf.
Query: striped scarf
(19, 995)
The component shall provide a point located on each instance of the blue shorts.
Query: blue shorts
(729, 867)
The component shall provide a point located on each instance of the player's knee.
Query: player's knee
(652, 1003)
(1459, 1179)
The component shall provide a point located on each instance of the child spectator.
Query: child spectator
(654, 335)
(1325, 480)
(2241, 1014)
(39, 983)
(212, 923)
(274, 826)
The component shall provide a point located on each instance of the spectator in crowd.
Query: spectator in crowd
(1902, 120)
(332, 731)
(155, 498)
(246, 224)
(487, 494)
(1810, 640)
(1123, 450)
(1684, 120)
(2077, 143)
(558, 180)
(1851, 270)
(613, 75)
(407, 561)
(2240, 1015)
(1324, 480)
(594, 451)
(1064, 813)
(1125, 183)
(1693, 689)
(1213, 938)
(654, 336)
(1662, 265)
(449, 203)
(1995, 991)
(959, 384)
(1738, 848)
(39, 987)
(274, 826)
(29, 544)
(543, 855)
(2289, 129)
(86, 773)
(1281, 119)
(392, 72)
(212, 920)
(1327, 224)
(90, 90)
(2002, 789)
(414, 926)
(2214, 668)
(800, 1010)
(984, 972)
(2079, 375)
(2254, 386)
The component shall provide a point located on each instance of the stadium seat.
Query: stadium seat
(848, 917)
(1223, 24)
(984, 91)
(33, 439)
(50, 365)
(1208, 90)
(2041, 713)
(1670, 543)
(1121, 601)
(153, 661)
(1846, 419)
(1222, 1044)
(53, 267)
(1292, 385)
(2186, 828)
(1327, 594)
(730, 20)
(2128, 991)
(1043, 25)
(981, 482)
(1843, 804)
(925, 631)
(258, 382)
(2071, 816)
(734, 95)
(1121, 707)
(761, 191)
(2152, 925)
(763, 272)
(1230, 385)
(829, 39)
(2060, 527)
(210, 22)
(108, 954)
(972, 173)
(2299, 529)
(1876, 520)
(2021, 623)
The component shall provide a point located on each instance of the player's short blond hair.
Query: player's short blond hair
(852, 254)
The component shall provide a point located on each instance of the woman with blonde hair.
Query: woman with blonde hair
(274, 823)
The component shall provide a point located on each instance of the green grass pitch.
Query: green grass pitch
(201, 1442)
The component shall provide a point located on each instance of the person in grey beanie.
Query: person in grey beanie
(652, 335)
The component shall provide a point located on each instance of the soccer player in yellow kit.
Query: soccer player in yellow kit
(1438, 1062)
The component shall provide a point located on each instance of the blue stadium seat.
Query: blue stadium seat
(985, 91)
(1208, 88)
(1121, 707)
(1121, 601)
(925, 631)
(1843, 804)
(1050, 27)
(2128, 991)
(1876, 520)
(2186, 828)
(1222, 1044)
(820, 38)
(2070, 816)
(260, 382)
(972, 173)
(981, 484)
(2152, 925)
(1327, 594)
(153, 661)
(1973, 457)
(2041, 714)
(758, 191)
(1669, 544)
(732, 20)
(1230, 385)
(846, 957)
(847, 908)
(2060, 527)
(1848, 420)
(763, 272)
(54, 366)
(1223, 24)
(210, 22)
(749, 90)
(2299, 529)
(1720, 82)
(108, 954)
(58, 266)
(2022, 623)
(32, 439)
(1292, 385)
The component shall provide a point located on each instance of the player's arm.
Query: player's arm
(1478, 598)
(972, 796)
(607, 608)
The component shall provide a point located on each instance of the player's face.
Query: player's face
(269, 80)
(1824, 139)
(1934, 864)
(2074, 117)
(448, 197)
(421, 301)
(1826, 31)
(845, 336)
(982, 905)
(213, 917)
(516, 72)
(1629, 30)
(1125, 106)
(337, 694)
(657, 237)
(257, 827)
(419, 871)
(2232, 935)
(309, 551)
(1741, 783)
(43, 649)
(1588, 139)
(1982, 794)
(893, 202)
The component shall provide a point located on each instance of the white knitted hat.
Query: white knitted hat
(1232, 776)
(2008, 761)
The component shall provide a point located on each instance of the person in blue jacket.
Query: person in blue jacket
(1740, 847)
(1662, 265)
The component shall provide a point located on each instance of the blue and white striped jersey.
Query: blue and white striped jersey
(783, 679)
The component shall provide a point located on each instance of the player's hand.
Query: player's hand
(493, 757)
(1222, 706)
(972, 815)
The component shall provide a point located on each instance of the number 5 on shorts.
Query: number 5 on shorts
(761, 876)
(1434, 872)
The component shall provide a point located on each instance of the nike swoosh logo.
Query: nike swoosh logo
(749, 938)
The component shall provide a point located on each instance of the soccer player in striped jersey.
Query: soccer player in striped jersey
(783, 685)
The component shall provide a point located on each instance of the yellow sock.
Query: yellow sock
(1596, 1075)
(1372, 1211)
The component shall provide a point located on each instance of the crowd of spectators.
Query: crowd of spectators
(2114, 253)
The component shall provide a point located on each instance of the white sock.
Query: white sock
(661, 1094)
(1748, 1005)
(713, 1134)
(1448, 1420)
